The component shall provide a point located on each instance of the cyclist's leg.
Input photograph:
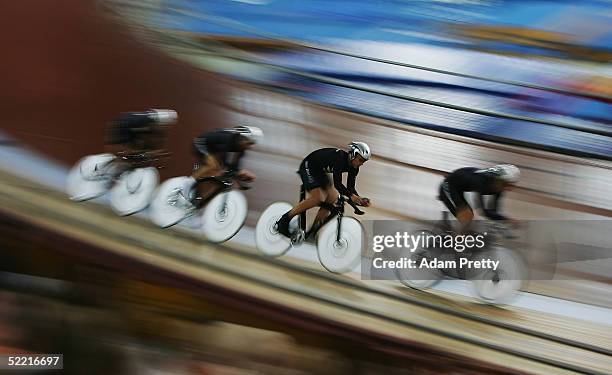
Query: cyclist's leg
(314, 197)
(314, 183)
(445, 197)
(465, 215)
(136, 137)
(117, 142)
(115, 167)
(331, 196)
(457, 205)
(209, 166)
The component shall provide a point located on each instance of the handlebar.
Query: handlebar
(345, 199)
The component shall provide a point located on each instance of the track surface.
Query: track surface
(527, 340)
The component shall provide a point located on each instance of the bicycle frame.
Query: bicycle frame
(497, 233)
(224, 183)
(134, 161)
(335, 211)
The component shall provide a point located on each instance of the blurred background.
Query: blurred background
(431, 86)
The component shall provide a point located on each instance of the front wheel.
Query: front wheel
(172, 201)
(224, 215)
(343, 255)
(133, 191)
(500, 285)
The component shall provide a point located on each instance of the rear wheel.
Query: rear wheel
(419, 276)
(501, 285)
(267, 238)
(90, 177)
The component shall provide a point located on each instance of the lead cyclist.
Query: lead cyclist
(493, 182)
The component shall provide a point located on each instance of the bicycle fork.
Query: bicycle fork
(222, 213)
(339, 229)
(302, 218)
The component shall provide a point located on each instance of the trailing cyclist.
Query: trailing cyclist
(138, 132)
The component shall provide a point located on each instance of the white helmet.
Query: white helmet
(359, 148)
(164, 116)
(506, 172)
(252, 133)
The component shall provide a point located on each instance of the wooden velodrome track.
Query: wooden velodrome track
(508, 338)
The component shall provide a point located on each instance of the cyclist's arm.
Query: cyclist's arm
(233, 154)
(491, 211)
(233, 161)
(338, 177)
(351, 180)
(339, 185)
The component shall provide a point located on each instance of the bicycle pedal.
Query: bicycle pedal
(173, 197)
(298, 237)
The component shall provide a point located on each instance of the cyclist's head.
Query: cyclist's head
(507, 173)
(164, 116)
(249, 134)
(359, 152)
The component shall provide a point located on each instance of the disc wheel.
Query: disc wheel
(167, 208)
(267, 238)
(134, 190)
(500, 286)
(86, 180)
(417, 277)
(224, 215)
(343, 255)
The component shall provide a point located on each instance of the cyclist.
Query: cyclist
(490, 181)
(138, 132)
(222, 149)
(313, 172)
